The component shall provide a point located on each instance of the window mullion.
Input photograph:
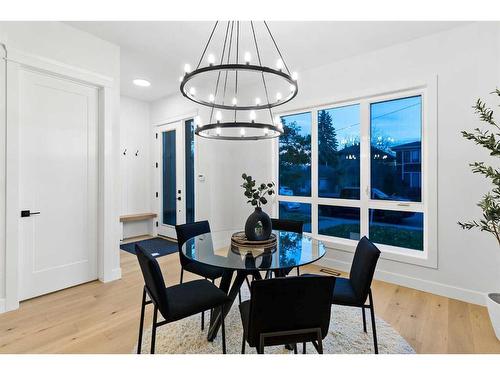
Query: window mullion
(314, 172)
(364, 166)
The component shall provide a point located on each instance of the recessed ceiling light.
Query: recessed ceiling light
(141, 82)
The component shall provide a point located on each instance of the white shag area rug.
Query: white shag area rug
(345, 335)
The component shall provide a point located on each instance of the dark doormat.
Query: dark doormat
(157, 246)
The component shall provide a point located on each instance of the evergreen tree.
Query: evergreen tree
(327, 139)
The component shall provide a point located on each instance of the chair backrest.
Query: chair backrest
(363, 267)
(288, 225)
(187, 231)
(153, 279)
(290, 303)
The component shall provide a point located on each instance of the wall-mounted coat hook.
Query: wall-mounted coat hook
(125, 152)
(137, 153)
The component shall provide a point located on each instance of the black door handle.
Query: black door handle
(28, 213)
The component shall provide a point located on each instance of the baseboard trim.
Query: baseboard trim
(116, 274)
(466, 295)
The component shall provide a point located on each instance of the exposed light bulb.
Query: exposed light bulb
(247, 57)
(211, 59)
(235, 101)
(295, 76)
(218, 116)
(218, 130)
(187, 68)
(192, 91)
(257, 101)
(252, 116)
(242, 132)
(211, 98)
(278, 96)
(292, 88)
(279, 64)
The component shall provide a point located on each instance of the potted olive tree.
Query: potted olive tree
(490, 203)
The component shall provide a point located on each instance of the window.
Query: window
(395, 142)
(296, 211)
(338, 152)
(337, 221)
(369, 172)
(295, 155)
(397, 228)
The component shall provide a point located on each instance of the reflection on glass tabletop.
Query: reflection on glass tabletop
(291, 250)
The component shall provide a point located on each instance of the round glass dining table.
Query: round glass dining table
(216, 249)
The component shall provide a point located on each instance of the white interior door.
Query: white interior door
(58, 177)
(172, 177)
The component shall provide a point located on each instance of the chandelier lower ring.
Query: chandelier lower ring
(204, 131)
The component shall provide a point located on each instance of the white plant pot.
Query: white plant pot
(493, 303)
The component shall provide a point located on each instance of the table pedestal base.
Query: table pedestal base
(225, 284)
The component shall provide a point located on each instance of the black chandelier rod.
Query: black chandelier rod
(277, 48)
(262, 73)
(218, 75)
(236, 71)
(206, 45)
(227, 62)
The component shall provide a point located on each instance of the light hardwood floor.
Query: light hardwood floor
(103, 318)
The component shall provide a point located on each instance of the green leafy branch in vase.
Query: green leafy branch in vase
(490, 203)
(256, 194)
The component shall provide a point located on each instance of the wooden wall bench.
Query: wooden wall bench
(136, 217)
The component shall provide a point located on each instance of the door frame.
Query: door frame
(107, 229)
(157, 183)
(180, 173)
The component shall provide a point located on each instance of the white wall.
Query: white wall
(135, 170)
(2, 181)
(59, 42)
(467, 63)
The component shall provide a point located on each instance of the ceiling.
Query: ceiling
(158, 50)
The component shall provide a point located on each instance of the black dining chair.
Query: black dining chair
(285, 311)
(184, 233)
(175, 302)
(295, 226)
(354, 291)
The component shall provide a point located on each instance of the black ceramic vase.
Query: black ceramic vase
(255, 231)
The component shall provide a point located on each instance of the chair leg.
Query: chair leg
(141, 323)
(295, 348)
(298, 271)
(182, 274)
(243, 344)
(303, 348)
(239, 296)
(320, 343)
(248, 283)
(374, 329)
(223, 330)
(202, 320)
(364, 319)
(153, 332)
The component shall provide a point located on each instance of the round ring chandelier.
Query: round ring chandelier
(233, 106)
